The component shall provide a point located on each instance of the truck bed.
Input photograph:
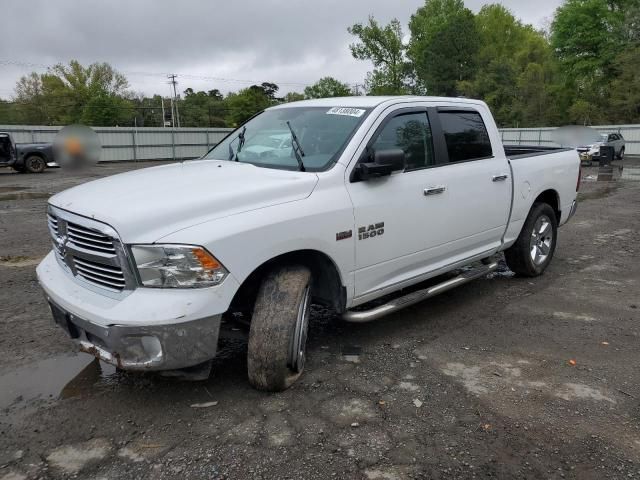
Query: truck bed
(523, 151)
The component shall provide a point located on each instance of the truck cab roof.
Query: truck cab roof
(372, 101)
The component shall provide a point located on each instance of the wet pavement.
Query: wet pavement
(504, 377)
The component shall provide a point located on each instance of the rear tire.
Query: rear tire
(278, 333)
(536, 244)
(35, 164)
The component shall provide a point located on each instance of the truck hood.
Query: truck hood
(147, 204)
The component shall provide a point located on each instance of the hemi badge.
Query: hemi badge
(343, 235)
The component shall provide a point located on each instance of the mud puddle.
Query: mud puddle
(54, 378)
(598, 194)
(631, 174)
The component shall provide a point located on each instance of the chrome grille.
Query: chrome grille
(89, 239)
(109, 277)
(89, 250)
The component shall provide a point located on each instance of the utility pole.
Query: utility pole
(173, 82)
(164, 124)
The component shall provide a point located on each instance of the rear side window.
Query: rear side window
(411, 133)
(465, 135)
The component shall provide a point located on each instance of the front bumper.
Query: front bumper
(156, 347)
(148, 329)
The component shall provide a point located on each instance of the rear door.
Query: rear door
(476, 174)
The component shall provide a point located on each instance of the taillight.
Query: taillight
(579, 177)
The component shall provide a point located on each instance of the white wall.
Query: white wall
(542, 136)
(128, 143)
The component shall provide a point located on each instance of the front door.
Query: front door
(392, 218)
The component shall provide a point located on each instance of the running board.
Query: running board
(415, 297)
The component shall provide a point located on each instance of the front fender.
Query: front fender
(244, 242)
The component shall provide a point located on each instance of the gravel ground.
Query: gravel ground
(504, 377)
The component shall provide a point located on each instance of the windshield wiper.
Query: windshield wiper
(240, 138)
(297, 148)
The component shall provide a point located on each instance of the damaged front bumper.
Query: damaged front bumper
(141, 329)
(155, 347)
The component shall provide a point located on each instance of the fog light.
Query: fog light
(140, 351)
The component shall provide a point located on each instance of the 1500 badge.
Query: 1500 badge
(371, 231)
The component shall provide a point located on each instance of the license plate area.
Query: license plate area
(62, 319)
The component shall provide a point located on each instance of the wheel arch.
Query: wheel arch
(551, 198)
(35, 153)
(327, 287)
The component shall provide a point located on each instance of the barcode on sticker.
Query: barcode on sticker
(351, 112)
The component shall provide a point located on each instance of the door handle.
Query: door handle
(434, 190)
(500, 178)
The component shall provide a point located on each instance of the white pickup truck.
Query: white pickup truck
(337, 201)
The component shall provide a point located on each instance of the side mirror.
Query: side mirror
(385, 162)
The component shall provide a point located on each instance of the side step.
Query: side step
(412, 298)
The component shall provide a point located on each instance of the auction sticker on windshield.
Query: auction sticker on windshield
(351, 112)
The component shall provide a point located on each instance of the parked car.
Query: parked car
(591, 152)
(377, 197)
(25, 157)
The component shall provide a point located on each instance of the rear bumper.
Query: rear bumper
(148, 329)
(572, 212)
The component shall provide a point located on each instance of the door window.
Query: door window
(465, 135)
(411, 133)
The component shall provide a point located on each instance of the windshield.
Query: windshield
(267, 141)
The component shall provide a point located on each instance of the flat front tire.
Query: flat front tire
(536, 244)
(279, 325)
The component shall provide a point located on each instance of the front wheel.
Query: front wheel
(536, 244)
(621, 154)
(35, 164)
(279, 325)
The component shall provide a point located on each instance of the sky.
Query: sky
(210, 44)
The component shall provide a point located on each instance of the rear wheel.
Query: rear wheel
(278, 333)
(35, 164)
(536, 244)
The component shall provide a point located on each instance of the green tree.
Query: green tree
(516, 71)
(293, 97)
(587, 35)
(327, 87)
(383, 46)
(625, 87)
(107, 110)
(244, 104)
(7, 113)
(74, 93)
(444, 44)
(202, 109)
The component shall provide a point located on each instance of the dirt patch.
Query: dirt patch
(19, 261)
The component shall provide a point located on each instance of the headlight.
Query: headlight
(177, 266)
